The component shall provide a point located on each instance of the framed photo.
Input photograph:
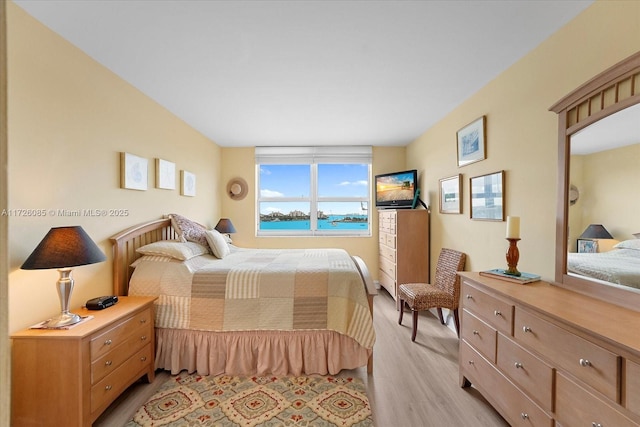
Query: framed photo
(450, 195)
(586, 246)
(133, 172)
(165, 174)
(187, 183)
(472, 142)
(487, 196)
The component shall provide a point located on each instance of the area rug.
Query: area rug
(310, 401)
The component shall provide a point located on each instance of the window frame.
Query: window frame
(314, 156)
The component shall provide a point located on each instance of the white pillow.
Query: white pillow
(172, 248)
(217, 243)
(629, 244)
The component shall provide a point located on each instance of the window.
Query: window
(313, 191)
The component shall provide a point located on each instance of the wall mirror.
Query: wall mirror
(598, 177)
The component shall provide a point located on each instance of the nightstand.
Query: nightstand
(69, 377)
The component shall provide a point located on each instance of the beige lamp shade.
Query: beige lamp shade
(237, 188)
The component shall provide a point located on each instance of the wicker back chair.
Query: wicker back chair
(444, 293)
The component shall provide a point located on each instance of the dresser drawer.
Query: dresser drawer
(632, 386)
(388, 267)
(479, 334)
(496, 312)
(110, 387)
(110, 361)
(517, 408)
(575, 406)
(104, 342)
(388, 253)
(589, 362)
(530, 373)
(387, 282)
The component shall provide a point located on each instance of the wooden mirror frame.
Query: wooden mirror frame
(613, 90)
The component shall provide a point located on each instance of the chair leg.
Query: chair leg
(456, 319)
(440, 316)
(401, 303)
(415, 325)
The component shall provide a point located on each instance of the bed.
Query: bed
(621, 265)
(314, 314)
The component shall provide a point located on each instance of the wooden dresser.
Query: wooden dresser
(403, 237)
(69, 377)
(545, 356)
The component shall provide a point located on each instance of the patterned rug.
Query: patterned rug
(310, 401)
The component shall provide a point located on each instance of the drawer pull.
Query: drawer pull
(497, 313)
(476, 333)
(108, 342)
(585, 363)
(518, 365)
(107, 388)
(470, 362)
(524, 416)
(526, 329)
(108, 363)
(594, 424)
(143, 338)
(469, 296)
(143, 321)
(143, 359)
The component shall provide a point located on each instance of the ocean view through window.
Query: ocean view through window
(313, 191)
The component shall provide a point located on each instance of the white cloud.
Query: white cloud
(270, 193)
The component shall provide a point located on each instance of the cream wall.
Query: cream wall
(69, 118)
(522, 138)
(240, 162)
(608, 192)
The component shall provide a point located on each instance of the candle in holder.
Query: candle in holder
(513, 227)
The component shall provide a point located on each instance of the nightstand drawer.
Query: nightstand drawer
(479, 334)
(496, 312)
(110, 361)
(589, 362)
(103, 343)
(110, 387)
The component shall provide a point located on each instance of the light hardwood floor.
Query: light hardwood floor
(413, 384)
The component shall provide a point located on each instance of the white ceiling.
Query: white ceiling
(251, 73)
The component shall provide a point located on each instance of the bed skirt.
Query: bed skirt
(257, 352)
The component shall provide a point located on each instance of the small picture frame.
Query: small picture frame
(487, 197)
(165, 174)
(587, 246)
(133, 172)
(451, 195)
(187, 183)
(471, 142)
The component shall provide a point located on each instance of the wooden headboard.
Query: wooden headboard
(125, 244)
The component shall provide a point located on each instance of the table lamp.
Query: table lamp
(225, 226)
(596, 231)
(63, 248)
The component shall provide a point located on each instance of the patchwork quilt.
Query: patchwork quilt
(259, 289)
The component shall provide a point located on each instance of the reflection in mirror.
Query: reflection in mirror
(605, 171)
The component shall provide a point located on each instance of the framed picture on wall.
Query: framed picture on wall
(133, 172)
(451, 195)
(187, 183)
(165, 174)
(487, 196)
(472, 142)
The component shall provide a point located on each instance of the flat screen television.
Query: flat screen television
(396, 189)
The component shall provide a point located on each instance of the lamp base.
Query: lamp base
(64, 319)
